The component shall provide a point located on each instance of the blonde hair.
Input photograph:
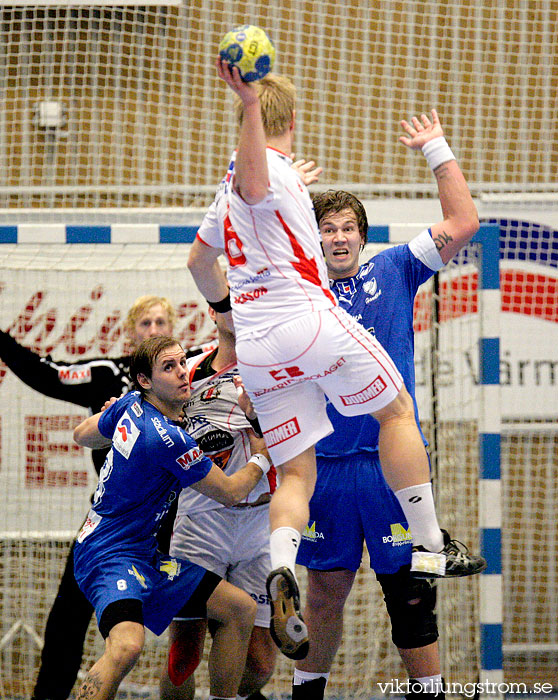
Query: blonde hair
(277, 102)
(143, 304)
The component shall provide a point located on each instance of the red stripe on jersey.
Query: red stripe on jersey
(306, 267)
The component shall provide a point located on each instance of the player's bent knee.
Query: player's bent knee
(320, 604)
(246, 610)
(241, 609)
(126, 650)
(328, 590)
(232, 606)
(411, 607)
(401, 409)
(126, 610)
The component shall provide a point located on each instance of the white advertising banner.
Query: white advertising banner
(528, 346)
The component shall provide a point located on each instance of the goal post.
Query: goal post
(490, 491)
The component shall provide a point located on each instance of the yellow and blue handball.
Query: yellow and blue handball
(249, 49)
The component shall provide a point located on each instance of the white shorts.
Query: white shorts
(288, 370)
(233, 543)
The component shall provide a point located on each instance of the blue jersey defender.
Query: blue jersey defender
(352, 502)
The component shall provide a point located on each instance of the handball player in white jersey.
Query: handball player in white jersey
(295, 345)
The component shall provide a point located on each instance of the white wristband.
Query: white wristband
(437, 152)
(261, 461)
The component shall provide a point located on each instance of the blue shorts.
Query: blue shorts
(353, 504)
(163, 584)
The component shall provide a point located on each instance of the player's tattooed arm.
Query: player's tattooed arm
(460, 214)
(441, 240)
(442, 171)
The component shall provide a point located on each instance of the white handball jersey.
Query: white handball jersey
(218, 425)
(277, 270)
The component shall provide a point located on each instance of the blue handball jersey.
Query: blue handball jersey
(150, 461)
(380, 297)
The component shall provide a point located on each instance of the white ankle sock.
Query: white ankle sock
(434, 684)
(301, 677)
(283, 544)
(417, 503)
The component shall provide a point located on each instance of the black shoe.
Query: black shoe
(417, 691)
(311, 690)
(256, 696)
(287, 627)
(452, 561)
